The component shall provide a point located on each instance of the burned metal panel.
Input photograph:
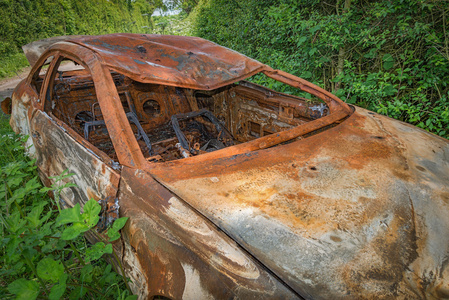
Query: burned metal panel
(170, 250)
(252, 111)
(57, 151)
(125, 146)
(181, 61)
(127, 149)
(6, 106)
(238, 108)
(22, 98)
(360, 210)
(35, 49)
(74, 102)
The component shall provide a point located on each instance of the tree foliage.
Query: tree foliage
(388, 56)
(24, 21)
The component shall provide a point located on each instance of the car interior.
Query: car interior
(170, 122)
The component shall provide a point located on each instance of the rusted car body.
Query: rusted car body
(234, 190)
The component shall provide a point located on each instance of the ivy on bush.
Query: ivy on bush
(388, 56)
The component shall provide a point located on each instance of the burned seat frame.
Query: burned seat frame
(132, 118)
(222, 131)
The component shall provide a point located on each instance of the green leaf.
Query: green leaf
(312, 51)
(387, 57)
(388, 61)
(301, 41)
(388, 65)
(69, 215)
(97, 251)
(33, 216)
(389, 90)
(31, 187)
(106, 273)
(65, 174)
(29, 253)
(49, 269)
(307, 74)
(15, 222)
(57, 291)
(131, 297)
(113, 234)
(11, 246)
(24, 289)
(33, 184)
(86, 273)
(371, 53)
(119, 223)
(91, 211)
(73, 231)
(78, 293)
(14, 181)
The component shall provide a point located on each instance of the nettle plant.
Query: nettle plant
(43, 253)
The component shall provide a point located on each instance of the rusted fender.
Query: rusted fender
(172, 251)
(360, 210)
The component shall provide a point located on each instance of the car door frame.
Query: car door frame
(96, 175)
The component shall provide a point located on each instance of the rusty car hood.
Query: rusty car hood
(181, 61)
(359, 210)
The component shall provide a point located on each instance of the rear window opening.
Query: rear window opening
(181, 123)
(171, 123)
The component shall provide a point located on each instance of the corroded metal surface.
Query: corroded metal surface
(57, 151)
(181, 254)
(35, 49)
(6, 105)
(297, 199)
(190, 62)
(358, 211)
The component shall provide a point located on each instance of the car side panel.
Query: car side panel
(22, 97)
(57, 151)
(171, 250)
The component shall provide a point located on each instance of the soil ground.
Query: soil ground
(7, 85)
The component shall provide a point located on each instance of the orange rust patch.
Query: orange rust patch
(91, 194)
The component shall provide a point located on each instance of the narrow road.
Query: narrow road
(7, 85)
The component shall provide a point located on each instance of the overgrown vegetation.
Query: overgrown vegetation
(179, 24)
(41, 255)
(25, 21)
(388, 56)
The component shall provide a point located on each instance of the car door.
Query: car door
(60, 139)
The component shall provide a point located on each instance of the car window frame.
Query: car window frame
(48, 86)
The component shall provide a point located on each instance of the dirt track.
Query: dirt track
(7, 85)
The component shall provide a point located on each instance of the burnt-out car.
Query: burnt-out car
(234, 190)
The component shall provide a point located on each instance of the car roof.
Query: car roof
(182, 61)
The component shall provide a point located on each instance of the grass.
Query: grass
(11, 64)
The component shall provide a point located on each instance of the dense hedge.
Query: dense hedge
(389, 56)
(24, 21)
